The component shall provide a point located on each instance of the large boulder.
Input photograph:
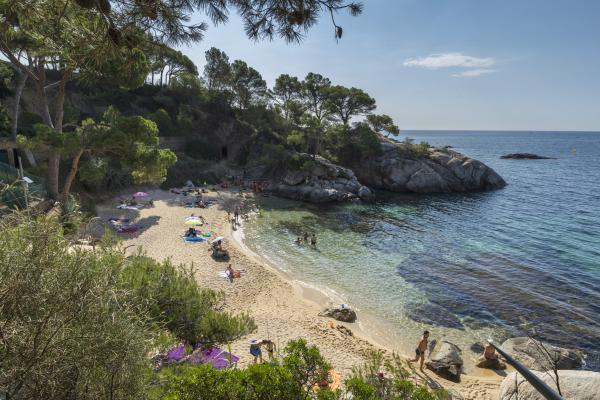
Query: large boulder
(446, 361)
(574, 385)
(320, 182)
(441, 170)
(530, 353)
(341, 313)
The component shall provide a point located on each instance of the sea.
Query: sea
(523, 260)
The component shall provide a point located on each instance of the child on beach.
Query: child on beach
(420, 350)
(270, 346)
(255, 350)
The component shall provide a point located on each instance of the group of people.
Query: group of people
(306, 238)
(256, 351)
(489, 352)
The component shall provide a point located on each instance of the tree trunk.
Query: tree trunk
(53, 170)
(21, 80)
(71, 176)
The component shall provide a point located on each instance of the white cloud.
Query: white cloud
(449, 60)
(473, 72)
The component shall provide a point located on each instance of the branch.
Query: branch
(15, 61)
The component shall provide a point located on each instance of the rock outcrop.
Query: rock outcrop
(340, 313)
(487, 363)
(440, 171)
(446, 361)
(529, 353)
(574, 385)
(524, 156)
(321, 182)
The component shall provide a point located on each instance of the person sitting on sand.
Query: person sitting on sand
(234, 273)
(270, 346)
(298, 240)
(420, 350)
(132, 202)
(313, 239)
(255, 350)
(489, 352)
(191, 232)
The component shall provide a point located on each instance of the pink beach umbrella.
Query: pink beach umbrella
(140, 194)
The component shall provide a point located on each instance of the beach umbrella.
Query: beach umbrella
(218, 238)
(140, 194)
(193, 222)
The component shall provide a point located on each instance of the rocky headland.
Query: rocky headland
(437, 170)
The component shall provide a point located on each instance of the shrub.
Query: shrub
(289, 380)
(203, 150)
(414, 149)
(173, 299)
(66, 330)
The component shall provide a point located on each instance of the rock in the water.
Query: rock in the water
(574, 385)
(524, 156)
(343, 314)
(441, 170)
(446, 361)
(320, 182)
(495, 363)
(529, 353)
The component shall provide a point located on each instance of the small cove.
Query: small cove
(467, 266)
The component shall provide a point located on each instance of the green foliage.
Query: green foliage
(247, 85)
(382, 123)
(203, 150)
(306, 365)
(344, 103)
(13, 196)
(92, 172)
(349, 146)
(217, 70)
(173, 299)
(68, 332)
(411, 149)
(163, 121)
(270, 381)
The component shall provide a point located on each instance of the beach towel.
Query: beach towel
(225, 274)
(176, 354)
(130, 229)
(192, 239)
(206, 234)
(214, 356)
(125, 207)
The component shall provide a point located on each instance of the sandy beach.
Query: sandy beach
(283, 308)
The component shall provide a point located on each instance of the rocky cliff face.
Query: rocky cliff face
(442, 171)
(323, 182)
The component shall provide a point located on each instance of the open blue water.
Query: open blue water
(467, 266)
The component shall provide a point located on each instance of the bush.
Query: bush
(67, 330)
(293, 379)
(174, 300)
(202, 150)
(414, 149)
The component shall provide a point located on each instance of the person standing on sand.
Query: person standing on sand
(255, 350)
(306, 237)
(313, 239)
(270, 348)
(236, 214)
(420, 350)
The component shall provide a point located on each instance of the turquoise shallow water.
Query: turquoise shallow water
(467, 266)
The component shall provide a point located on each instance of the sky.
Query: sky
(448, 64)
